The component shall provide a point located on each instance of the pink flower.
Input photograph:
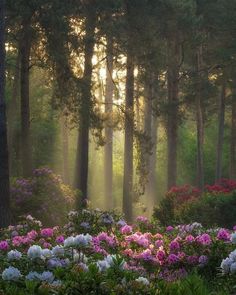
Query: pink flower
(161, 255)
(4, 245)
(172, 259)
(126, 229)
(32, 235)
(142, 219)
(223, 234)
(204, 239)
(17, 241)
(174, 245)
(189, 239)
(159, 243)
(169, 228)
(60, 239)
(128, 252)
(47, 245)
(47, 232)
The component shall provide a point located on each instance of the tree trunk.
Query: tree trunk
(129, 137)
(221, 126)
(200, 122)
(172, 120)
(65, 149)
(108, 148)
(4, 168)
(152, 185)
(233, 134)
(81, 174)
(26, 147)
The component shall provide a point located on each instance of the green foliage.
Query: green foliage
(210, 210)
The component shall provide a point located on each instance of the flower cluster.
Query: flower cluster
(124, 255)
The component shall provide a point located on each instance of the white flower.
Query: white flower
(79, 257)
(233, 238)
(58, 251)
(69, 242)
(56, 283)
(82, 240)
(47, 253)
(11, 274)
(143, 281)
(108, 262)
(33, 275)
(34, 252)
(233, 268)
(232, 256)
(225, 265)
(47, 276)
(14, 255)
(103, 265)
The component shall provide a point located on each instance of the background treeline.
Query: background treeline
(124, 99)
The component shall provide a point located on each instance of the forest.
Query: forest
(118, 147)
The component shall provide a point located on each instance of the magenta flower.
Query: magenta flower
(4, 245)
(189, 239)
(172, 259)
(161, 255)
(60, 239)
(174, 246)
(169, 228)
(223, 235)
(126, 229)
(204, 239)
(47, 232)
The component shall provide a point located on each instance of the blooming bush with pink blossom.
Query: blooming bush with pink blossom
(216, 206)
(116, 259)
(45, 195)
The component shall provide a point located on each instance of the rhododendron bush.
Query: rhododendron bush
(45, 195)
(216, 206)
(99, 253)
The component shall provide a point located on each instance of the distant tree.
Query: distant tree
(4, 169)
(82, 157)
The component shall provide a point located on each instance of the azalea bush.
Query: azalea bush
(117, 259)
(45, 195)
(216, 206)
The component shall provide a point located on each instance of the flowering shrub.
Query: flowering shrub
(185, 204)
(119, 259)
(43, 195)
(224, 186)
(174, 199)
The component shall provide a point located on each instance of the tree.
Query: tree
(221, 125)
(82, 157)
(25, 48)
(4, 169)
(172, 115)
(108, 148)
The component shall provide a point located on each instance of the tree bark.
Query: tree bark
(26, 147)
(233, 133)
(151, 161)
(172, 120)
(81, 175)
(200, 122)
(4, 168)
(108, 148)
(65, 149)
(129, 137)
(221, 125)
